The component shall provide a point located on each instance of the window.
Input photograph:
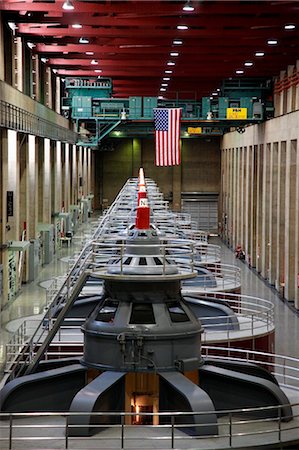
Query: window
(107, 311)
(142, 313)
(176, 312)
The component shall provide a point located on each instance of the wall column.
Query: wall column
(66, 177)
(273, 216)
(74, 193)
(57, 178)
(297, 236)
(264, 245)
(46, 183)
(290, 220)
(281, 183)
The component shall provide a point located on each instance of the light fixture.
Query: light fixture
(98, 71)
(182, 27)
(272, 41)
(89, 53)
(31, 45)
(44, 60)
(211, 98)
(77, 25)
(162, 89)
(218, 90)
(65, 53)
(164, 84)
(259, 54)
(166, 78)
(94, 62)
(68, 5)
(171, 63)
(168, 71)
(214, 93)
(83, 40)
(248, 63)
(177, 42)
(174, 54)
(160, 97)
(289, 26)
(188, 7)
(54, 70)
(239, 72)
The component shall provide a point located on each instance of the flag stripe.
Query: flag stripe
(167, 126)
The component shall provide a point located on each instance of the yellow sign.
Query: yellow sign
(236, 113)
(192, 130)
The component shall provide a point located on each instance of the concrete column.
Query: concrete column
(67, 176)
(2, 72)
(74, 193)
(282, 97)
(265, 213)
(19, 64)
(273, 213)
(290, 93)
(57, 178)
(280, 239)
(58, 95)
(35, 78)
(290, 220)
(85, 182)
(248, 198)
(297, 236)
(48, 88)
(259, 210)
(254, 209)
(46, 183)
(296, 106)
(80, 172)
(235, 198)
(231, 199)
(10, 196)
(22, 200)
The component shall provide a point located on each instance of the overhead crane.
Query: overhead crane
(89, 102)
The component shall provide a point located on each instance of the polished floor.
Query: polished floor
(31, 300)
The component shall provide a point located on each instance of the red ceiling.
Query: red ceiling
(132, 40)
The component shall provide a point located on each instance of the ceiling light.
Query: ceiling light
(166, 79)
(214, 93)
(188, 7)
(30, 45)
(65, 53)
(83, 40)
(89, 53)
(218, 90)
(98, 71)
(164, 84)
(177, 42)
(272, 42)
(162, 89)
(248, 64)
(171, 63)
(54, 70)
(174, 54)
(239, 71)
(160, 97)
(290, 26)
(94, 62)
(77, 25)
(259, 54)
(211, 98)
(68, 5)
(168, 71)
(44, 60)
(182, 27)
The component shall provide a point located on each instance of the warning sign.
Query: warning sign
(194, 130)
(236, 113)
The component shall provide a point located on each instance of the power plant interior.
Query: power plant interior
(149, 263)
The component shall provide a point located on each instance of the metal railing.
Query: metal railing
(19, 119)
(115, 429)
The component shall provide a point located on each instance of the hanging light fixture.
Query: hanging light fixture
(68, 5)
(188, 7)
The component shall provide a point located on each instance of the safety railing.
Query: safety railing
(236, 427)
(18, 119)
(218, 278)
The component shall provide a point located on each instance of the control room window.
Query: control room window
(142, 313)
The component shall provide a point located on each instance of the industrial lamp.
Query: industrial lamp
(68, 5)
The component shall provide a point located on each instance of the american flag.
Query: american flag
(167, 132)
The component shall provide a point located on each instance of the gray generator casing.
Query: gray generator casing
(33, 259)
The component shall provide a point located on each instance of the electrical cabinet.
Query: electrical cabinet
(84, 209)
(33, 259)
(65, 223)
(149, 103)
(135, 107)
(74, 209)
(47, 242)
(206, 106)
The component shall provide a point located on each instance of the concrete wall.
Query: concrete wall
(260, 199)
(199, 170)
